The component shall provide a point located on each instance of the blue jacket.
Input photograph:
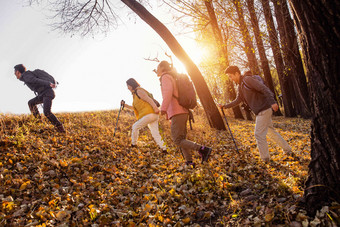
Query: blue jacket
(254, 93)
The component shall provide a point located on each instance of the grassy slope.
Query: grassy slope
(88, 176)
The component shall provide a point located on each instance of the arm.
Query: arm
(167, 92)
(260, 87)
(30, 78)
(235, 102)
(143, 95)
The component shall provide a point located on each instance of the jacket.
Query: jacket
(170, 104)
(141, 105)
(37, 85)
(254, 93)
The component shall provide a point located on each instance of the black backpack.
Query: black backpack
(186, 91)
(41, 74)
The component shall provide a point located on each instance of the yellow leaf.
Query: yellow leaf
(186, 220)
(269, 217)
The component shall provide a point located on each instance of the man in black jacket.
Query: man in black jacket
(261, 101)
(45, 95)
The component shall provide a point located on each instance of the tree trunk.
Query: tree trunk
(318, 24)
(292, 58)
(248, 43)
(223, 54)
(210, 108)
(260, 47)
(274, 43)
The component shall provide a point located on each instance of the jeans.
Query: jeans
(150, 120)
(179, 133)
(46, 99)
(263, 126)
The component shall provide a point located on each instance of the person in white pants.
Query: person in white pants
(146, 111)
(255, 94)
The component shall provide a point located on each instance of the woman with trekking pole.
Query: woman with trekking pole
(146, 111)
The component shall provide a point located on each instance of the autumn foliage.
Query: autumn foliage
(88, 176)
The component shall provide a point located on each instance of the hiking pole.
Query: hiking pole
(225, 118)
(120, 108)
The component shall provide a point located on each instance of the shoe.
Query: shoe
(205, 153)
(133, 145)
(60, 128)
(190, 164)
(164, 151)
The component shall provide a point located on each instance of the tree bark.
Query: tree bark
(262, 52)
(292, 59)
(210, 108)
(223, 54)
(248, 43)
(318, 25)
(274, 43)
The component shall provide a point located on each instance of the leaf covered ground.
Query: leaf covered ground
(89, 177)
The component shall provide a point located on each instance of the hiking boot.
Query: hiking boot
(60, 128)
(205, 153)
(190, 164)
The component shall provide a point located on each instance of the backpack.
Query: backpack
(151, 96)
(186, 91)
(41, 74)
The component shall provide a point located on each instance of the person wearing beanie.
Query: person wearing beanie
(45, 94)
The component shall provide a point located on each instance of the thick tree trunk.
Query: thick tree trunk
(210, 108)
(292, 58)
(274, 43)
(318, 24)
(223, 54)
(248, 43)
(260, 47)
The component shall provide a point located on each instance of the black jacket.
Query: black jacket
(37, 85)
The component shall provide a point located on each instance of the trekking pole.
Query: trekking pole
(120, 108)
(225, 118)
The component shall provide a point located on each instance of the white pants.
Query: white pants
(150, 120)
(263, 126)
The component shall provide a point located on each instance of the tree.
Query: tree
(274, 43)
(292, 58)
(262, 52)
(92, 14)
(223, 50)
(318, 26)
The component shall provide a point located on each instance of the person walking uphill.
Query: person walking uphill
(146, 112)
(45, 94)
(178, 115)
(261, 101)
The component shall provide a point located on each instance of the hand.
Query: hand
(275, 107)
(52, 85)
(156, 111)
(163, 112)
(220, 105)
(122, 103)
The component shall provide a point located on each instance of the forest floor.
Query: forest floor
(89, 177)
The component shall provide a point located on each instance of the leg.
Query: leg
(32, 104)
(178, 135)
(153, 126)
(263, 120)
(277, 138)
(141, 123)
(47, 111)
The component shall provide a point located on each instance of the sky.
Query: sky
(91, 71)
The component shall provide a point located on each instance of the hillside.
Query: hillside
(90, 177)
